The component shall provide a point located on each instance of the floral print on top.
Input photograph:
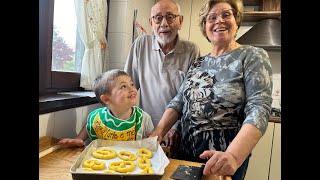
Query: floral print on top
(218, 95)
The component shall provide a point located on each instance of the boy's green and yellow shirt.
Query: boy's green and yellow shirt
(103, 125)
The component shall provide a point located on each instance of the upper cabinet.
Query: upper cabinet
(256, 10)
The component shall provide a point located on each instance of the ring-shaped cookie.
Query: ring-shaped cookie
(122, 166)
(147, 170)
(126, 156)
(143, 152)
(94, 164)
(143, 163)
(104, 153)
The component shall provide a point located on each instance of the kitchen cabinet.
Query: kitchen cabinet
(265, 161)
(260, 160)
(257, 10)
(275, 164)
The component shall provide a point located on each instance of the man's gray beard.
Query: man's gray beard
(166, 40)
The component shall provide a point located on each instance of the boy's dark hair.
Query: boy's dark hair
(102, 83)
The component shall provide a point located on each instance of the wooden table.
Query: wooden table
(57, 164)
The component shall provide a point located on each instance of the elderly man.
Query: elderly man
(158, 63)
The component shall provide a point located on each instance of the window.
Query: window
(65, 38)
(60, 47)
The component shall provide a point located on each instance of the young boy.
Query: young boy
(120, 119)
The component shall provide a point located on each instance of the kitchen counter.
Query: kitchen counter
(57, 164)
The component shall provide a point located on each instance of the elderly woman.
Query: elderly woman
(225, 100)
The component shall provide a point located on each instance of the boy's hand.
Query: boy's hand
(71, 142)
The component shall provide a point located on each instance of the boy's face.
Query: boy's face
(123, 93)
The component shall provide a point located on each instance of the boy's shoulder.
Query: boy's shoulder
(98, 110)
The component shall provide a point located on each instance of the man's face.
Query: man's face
(165, 31)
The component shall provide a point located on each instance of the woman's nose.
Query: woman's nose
(219, 19)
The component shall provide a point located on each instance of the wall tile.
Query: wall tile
(196, 6)
(116, 65)
(127, 46)
(198, 38)
(185, 6)
(46, 123)
(117, 16)
(116, 44)
(143, 14)
(66, 122)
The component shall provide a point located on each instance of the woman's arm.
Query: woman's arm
(243, 144)
(169, 117)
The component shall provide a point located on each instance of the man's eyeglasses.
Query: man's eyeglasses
(225, 15)
(169, 17)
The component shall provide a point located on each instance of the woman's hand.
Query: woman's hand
(71, 142)
(220, 163)
(171, 140)
(156, 132)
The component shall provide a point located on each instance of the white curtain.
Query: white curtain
(92, 22)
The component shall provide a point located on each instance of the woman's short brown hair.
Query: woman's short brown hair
(236, 5)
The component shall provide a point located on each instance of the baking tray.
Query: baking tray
(159, 160)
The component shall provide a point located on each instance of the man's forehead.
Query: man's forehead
(166, 8)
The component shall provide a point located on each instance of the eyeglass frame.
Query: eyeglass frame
(221, 15)
(165, 16)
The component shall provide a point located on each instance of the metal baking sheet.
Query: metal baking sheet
(159, 160)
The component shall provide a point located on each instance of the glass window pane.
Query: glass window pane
(65, 37)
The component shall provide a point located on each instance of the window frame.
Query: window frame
(53, 81)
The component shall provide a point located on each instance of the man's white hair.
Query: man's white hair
(171, 1)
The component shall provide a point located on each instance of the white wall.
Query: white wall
(65, 123)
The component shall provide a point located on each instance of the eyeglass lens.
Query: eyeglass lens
(226, 14)
(170, 18)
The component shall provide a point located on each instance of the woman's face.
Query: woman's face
(221, 26)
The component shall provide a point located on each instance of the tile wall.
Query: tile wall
(65, 123)
(275, 57)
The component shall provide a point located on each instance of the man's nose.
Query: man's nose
(164, 22)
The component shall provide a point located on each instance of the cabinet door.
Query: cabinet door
(275, 165)
(260, 160)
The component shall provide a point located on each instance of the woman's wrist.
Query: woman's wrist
(234, 157)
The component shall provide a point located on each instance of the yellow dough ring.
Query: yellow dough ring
(127, 156)
(122, 166)
(143, 152)
(94, 164)
(143, 163)
(104, 153)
